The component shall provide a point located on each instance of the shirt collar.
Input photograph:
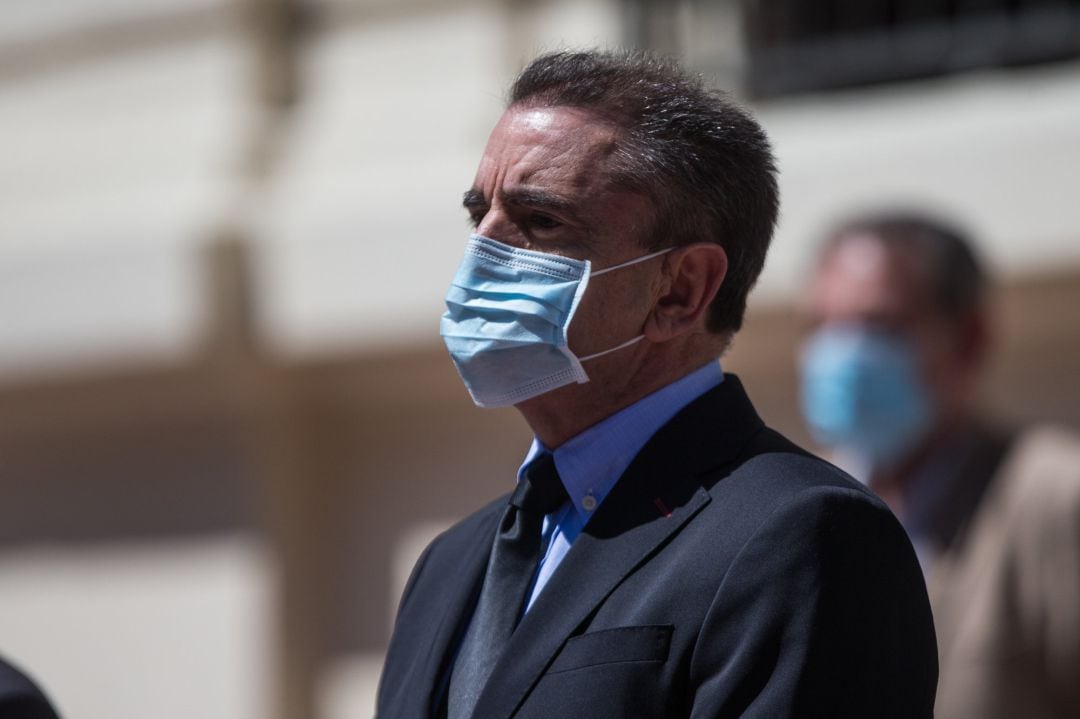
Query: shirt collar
(591, 463)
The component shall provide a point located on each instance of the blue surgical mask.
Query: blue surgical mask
(507, 315)
(862, 393)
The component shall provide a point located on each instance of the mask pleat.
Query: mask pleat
(507, 315)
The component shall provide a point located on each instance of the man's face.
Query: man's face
(544, 184)
(862, 283)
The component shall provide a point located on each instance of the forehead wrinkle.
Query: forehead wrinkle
(556, 147)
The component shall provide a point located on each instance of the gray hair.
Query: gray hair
(704, 162)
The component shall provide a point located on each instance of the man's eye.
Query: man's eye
(543, 222)
(475, 218)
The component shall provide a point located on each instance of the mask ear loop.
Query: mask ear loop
(619, 266)
(624, 345)
(632, 262)
(637, 339)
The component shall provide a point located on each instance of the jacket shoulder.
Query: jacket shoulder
(772, 465)
(1036, 490)
(20, 698)
(1048, 459)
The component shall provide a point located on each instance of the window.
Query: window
(790, 46)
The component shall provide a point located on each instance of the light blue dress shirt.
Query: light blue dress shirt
(591, 463)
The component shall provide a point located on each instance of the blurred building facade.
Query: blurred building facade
(227, 424)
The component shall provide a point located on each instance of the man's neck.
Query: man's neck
(564, 413)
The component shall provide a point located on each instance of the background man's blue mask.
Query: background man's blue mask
(862, 392)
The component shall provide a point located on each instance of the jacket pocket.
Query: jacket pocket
(608, 646)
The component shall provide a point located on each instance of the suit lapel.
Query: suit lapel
(659, 494)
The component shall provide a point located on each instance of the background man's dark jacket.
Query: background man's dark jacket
(20, 698)
(728, 574)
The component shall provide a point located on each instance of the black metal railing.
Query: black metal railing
(798, 46)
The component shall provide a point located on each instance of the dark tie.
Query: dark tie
(510, 572)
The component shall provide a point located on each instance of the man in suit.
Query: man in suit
(899, 313)
(664, 554)
(20, 698)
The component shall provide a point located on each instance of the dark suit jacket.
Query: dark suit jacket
(20, 698)
(728, 574)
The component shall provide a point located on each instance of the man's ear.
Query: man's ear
(693, 275)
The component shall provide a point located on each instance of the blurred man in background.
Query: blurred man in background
(900, 329)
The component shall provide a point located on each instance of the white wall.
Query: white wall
(114, 172)
(128, 631)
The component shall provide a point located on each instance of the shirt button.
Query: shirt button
(588, 503)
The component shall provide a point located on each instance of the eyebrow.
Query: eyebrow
(531, 197)
(524, 196)
(472, 199)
